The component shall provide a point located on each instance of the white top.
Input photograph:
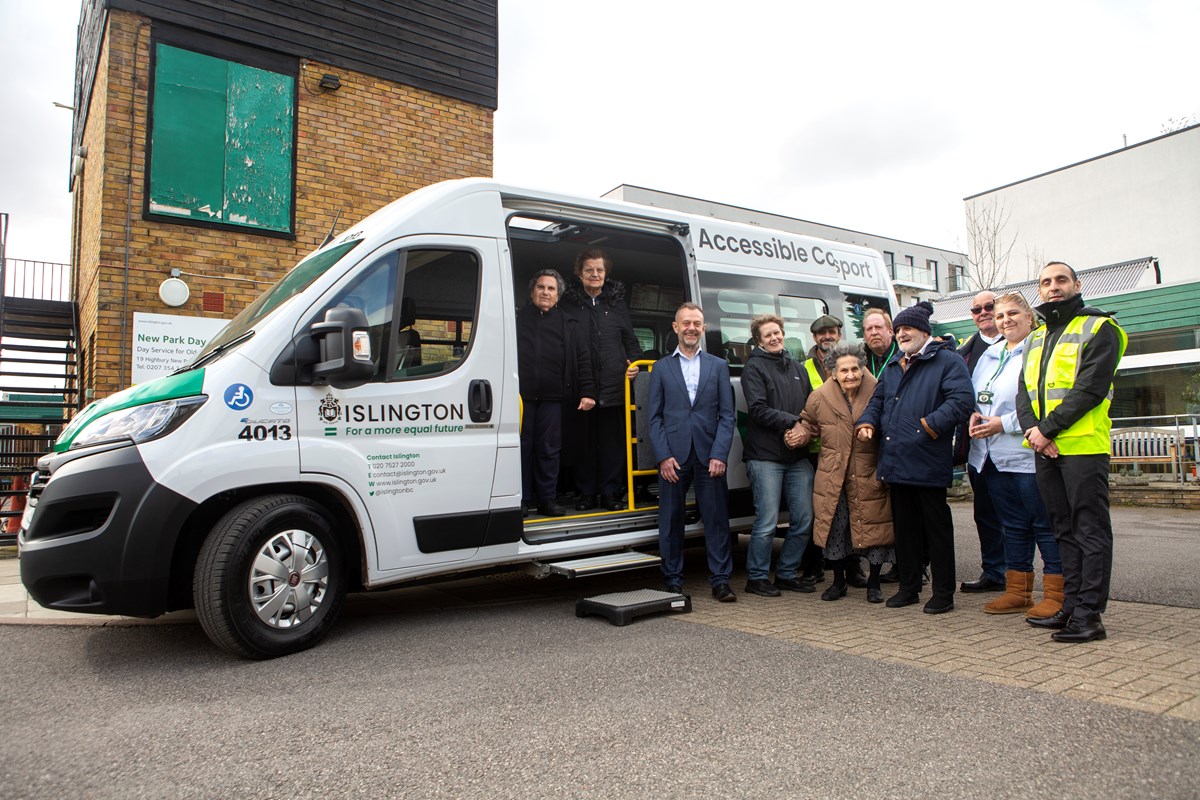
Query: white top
(691, 373)
(999, 371)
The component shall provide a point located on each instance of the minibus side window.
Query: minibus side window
(439, 298)
(729, 328)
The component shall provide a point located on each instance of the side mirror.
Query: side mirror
(345, 344)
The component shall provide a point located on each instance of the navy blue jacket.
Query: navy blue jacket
(915, 412)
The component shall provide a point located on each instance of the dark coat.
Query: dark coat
(679, 426)
(575, 380)
(848, 464)
(610, 337)
(776, 387)
(914, 414)
(971, 350)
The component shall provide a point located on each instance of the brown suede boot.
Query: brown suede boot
(1017, 597)
(1052, 597)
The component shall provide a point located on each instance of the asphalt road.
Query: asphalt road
(1156, 553)
(526, 701)
(493, 688)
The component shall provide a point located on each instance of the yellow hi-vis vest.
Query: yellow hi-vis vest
(1089, 434)
(814, 377)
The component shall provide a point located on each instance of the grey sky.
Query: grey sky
(868, 115)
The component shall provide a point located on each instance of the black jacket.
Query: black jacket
(1097, 366)
(562, 375)
(915, 412)
(776, 387)
(609, 334)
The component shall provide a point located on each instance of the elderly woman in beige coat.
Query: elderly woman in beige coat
(851, 510)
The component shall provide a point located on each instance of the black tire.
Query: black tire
(263, 614)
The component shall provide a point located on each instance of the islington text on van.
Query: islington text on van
(402, 412)
(784, 251)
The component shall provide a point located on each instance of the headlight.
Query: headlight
(139, 423)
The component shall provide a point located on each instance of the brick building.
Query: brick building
(222, 140)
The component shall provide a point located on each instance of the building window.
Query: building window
(221, 142)
(957, 279)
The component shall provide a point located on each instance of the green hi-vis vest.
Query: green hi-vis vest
(1089, 435)
(814, 377)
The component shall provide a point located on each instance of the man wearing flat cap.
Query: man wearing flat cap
(826, 331)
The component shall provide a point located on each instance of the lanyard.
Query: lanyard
(1004, 354)
(875, 372)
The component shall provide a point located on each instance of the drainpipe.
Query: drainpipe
(137, 39)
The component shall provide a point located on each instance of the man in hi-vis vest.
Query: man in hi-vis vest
(1068, 374)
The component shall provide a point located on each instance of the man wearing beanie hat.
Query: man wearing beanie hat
(920, 399)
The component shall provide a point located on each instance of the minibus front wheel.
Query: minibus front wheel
(270, 579)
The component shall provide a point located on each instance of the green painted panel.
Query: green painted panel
(222, 141)
(189, 134)
(258, 163)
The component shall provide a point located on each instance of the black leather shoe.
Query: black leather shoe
(891, 576)
(835, 591)
(924, 574)
(901, 599)
(524, 511)
(874, 594)
(675, 588)
(723, 593)
(939, 605)
(984, 584)
(792, 585)
(551, 509)
(610, 503)
(855, 576)
(1057, 621)
(762, 589)
(586, 502)
(816, 576)
(1081, 631)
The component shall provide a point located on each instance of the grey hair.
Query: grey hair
(841, 350)
(553, 273)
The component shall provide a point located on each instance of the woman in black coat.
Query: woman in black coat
(598, 448)
(555, 374)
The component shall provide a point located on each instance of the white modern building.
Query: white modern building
(1141, 200)
(919, 272)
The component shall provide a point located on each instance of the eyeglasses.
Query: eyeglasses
(977, 310)
(593, 271)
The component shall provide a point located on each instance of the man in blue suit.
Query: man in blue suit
(691, 431)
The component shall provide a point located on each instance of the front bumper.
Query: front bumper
(99, 534)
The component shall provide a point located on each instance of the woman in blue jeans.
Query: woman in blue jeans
(1000, 458)
(776, 388)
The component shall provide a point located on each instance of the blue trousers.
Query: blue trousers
(712, 495)
(770, 481)
(1023, 517)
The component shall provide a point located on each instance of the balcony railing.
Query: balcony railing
(36, 280)
(913, 276)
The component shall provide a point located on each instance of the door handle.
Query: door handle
(479, 401)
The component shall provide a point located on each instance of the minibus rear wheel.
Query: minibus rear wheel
(270, 579)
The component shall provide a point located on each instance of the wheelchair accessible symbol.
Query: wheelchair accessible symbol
(239, 397)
